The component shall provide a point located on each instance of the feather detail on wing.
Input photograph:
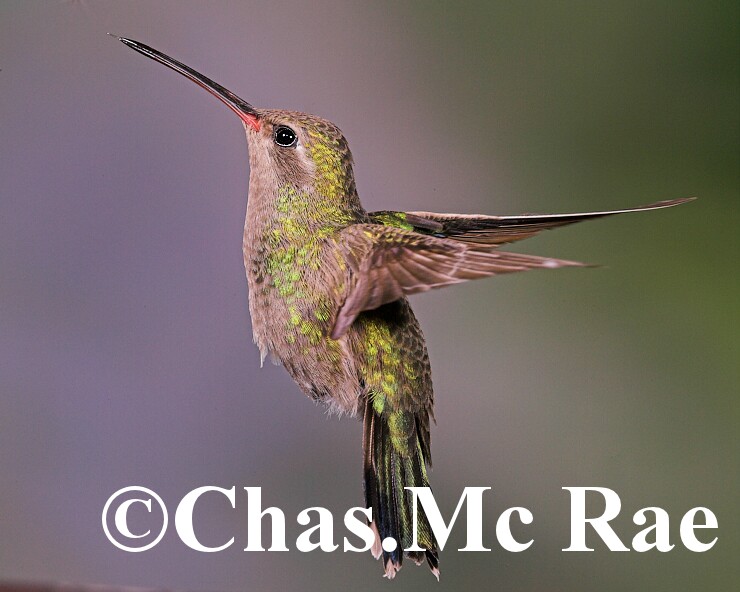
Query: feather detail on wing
(388, 263)
(488, 231)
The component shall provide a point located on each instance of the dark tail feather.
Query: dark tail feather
(395, 456)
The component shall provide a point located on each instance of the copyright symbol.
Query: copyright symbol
(120, 517)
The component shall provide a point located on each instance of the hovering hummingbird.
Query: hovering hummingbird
(328, 283)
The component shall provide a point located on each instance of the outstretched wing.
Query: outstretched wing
(404, 253)
(388, 263)
(491, 231)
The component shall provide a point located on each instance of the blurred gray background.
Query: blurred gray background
(126, 354)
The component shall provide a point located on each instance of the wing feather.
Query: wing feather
(387, 263)
(404, 253)
(491, 231)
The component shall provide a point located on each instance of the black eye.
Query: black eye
(284, 136)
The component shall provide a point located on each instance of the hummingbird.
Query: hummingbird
(328, 285)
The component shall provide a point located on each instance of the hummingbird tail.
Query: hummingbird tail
(395, 456)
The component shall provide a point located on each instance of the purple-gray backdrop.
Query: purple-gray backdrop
(125, 347)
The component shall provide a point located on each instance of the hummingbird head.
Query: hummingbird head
(300, 149)
(285, 147)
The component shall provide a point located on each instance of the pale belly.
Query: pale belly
(292, 302)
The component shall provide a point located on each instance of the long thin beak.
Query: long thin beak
(244, 110)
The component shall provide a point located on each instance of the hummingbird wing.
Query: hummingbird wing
(387, 263)
(408, 252)
(491, 231)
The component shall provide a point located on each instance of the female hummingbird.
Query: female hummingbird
(328, 283)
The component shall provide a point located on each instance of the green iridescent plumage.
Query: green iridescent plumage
(328, 283)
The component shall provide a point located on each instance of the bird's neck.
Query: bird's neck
(290, 214)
